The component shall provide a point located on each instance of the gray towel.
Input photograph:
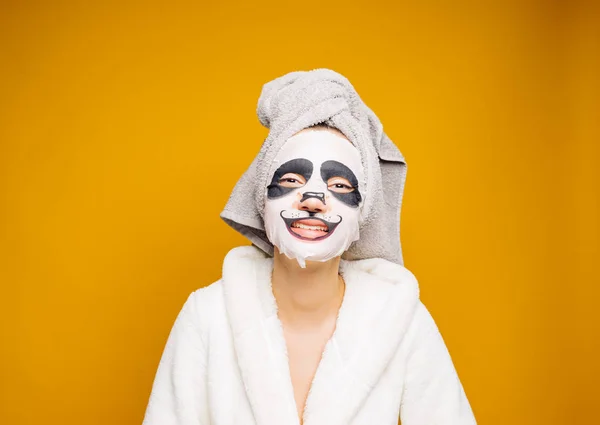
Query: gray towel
(299, 100)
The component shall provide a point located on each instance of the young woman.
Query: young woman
(318, 322)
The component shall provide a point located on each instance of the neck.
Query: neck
(306, 297)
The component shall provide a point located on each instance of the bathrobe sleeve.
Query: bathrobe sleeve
(179, 394)
(433, 393)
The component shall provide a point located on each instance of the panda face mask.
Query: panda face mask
(313, 202)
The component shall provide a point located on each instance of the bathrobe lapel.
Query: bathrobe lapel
(260, 351)
(378, 305)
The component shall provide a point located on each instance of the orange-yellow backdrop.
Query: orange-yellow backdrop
(123, 128)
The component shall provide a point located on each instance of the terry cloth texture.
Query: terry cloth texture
(302, 99)
(226, 362)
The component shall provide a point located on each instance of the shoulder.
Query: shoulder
(423, 320)
(207, 295)
(380, 284)
(424, 335)
(205, 305)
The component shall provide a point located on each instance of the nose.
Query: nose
(313, 202)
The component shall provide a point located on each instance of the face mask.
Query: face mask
(312, 204)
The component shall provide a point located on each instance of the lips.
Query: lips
(309, 228)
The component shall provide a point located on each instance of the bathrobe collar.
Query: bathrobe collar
(378, 305)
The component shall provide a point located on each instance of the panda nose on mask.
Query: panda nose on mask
(313, 202)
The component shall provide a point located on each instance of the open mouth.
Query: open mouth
(309, 228)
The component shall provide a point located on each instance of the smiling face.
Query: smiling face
(313, 200)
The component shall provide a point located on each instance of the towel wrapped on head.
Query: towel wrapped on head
(302, 99)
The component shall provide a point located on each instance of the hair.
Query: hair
(324, 125)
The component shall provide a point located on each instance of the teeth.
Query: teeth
(304, 226)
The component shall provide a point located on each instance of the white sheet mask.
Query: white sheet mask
(313, 202)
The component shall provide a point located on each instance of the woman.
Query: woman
(318, 322)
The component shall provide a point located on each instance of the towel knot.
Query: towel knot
(301, 91)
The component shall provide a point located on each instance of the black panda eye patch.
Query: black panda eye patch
(331, 169)
(300, 166)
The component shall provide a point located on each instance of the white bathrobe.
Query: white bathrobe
(225, 361)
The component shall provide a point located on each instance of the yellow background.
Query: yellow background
(123, 128)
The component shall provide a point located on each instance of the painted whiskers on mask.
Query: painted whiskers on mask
(309, 221)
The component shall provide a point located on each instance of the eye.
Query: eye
(339, 185)
(292, 180)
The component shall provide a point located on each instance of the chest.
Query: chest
(329, 396)
(305, 350)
